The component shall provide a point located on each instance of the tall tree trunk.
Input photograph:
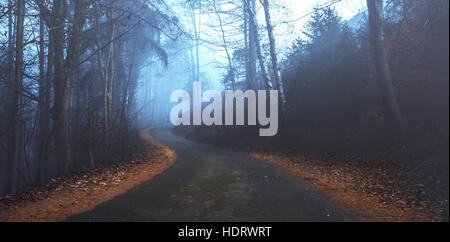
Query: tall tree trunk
(194, 43)
(107, 75)
(10, 107)
(10, 42)
(198, 38)
(17, 90)
(225, 45)
(72, 65)
(273, 53)
(128, 86)
(124, 88)
(251, 8)
(257, 46)
(196, 29)
(62, 91)
(382, 72)
(246, 43)
(79, 21)
(43, 106)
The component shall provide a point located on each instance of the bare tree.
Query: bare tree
(273, 51)
(382, 72)
(196, 22)
(107, 73)
(246, 43)
(17, 89)
(257, 44)
(251, 51)
(61, 88)
(217, 11)
(43, 106)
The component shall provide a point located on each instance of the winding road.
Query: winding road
(210, 184)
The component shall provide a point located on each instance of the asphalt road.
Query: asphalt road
(210, 184)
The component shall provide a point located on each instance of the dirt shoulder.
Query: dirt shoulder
(371, 187)
(371, 195)
(64, 197)
(208, 184)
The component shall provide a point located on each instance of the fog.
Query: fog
(81, 80)
(156, 82)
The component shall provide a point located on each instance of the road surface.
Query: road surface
(210, 184)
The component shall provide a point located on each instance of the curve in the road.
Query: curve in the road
(211, 184)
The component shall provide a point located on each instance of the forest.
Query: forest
(363, 94)
(69, 80)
